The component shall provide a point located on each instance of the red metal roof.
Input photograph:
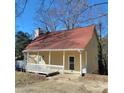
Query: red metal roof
(71, 39)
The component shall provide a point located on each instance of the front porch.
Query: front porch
(44, 68)
(48, 61)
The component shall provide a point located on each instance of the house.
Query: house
(72, 51)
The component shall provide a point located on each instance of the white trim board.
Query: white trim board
(36, 50)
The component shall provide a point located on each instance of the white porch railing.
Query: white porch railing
(44, 68)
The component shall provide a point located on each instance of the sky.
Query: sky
(26, 21)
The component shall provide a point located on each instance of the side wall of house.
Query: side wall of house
(92, 53)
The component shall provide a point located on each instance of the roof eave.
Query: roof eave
(36, 50)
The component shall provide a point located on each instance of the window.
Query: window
(71, 63)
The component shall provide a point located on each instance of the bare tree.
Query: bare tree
(62, 12)
(67, 14)
(20, 6)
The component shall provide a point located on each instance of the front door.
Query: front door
(71, 63)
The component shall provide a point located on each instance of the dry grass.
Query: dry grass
(68, 83)
(105, 90)
(96, 77)
(23, 78)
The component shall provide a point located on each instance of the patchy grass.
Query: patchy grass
(23, 78)
(96, 77)
(67, 83)
(105, 90)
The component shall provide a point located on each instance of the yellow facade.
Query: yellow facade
(89, 57)
(57, 58)
(92, 55)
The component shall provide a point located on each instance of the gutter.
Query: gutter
(36, 50)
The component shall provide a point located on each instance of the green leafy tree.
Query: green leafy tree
(22, 40)
(100, 59)
(102, 53)
(103, 57)
(105, 53)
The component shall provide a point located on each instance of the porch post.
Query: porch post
(49, 57)
(27, 56)
(63, 60)
(80, 62)
(86, 60)
(38, 58)
(24, 54)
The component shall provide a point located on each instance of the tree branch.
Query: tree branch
(22, 8)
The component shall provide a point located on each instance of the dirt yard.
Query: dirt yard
(68, 83)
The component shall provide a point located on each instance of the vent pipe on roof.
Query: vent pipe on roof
(38, 32)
